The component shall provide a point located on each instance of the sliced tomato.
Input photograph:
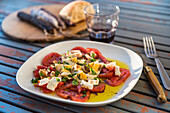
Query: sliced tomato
(98, 89)
(108, 74)
(36, 72)
(68, 86)
(60, 84)
(98, 54)
(45, 90)
(74, 89)
(80, 48)
(48, 59)
(80, 97)
(79, 88)
(65, 94)
(116, 80)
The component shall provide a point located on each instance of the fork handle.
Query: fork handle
(164, 76)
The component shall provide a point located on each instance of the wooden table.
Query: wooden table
(138, 18)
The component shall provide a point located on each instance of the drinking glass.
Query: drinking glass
(102, 21)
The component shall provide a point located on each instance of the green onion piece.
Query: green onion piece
(35, 80)
(93, 72)
(65, 63)
(64, 79)
(85, 92)
(57, 73)
(59, 62)
(75, 82)
(93, 55)
(92, 60)
(41, 74)
(84, 95)
(58, 80)
(67, 68)
(95, 78)
(84, 56)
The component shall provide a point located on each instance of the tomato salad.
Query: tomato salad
(77, 73)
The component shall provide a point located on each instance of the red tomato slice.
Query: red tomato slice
(98, 54)
(64, 94)
(36, 72)
(108, 74)
(98, 89)
(80, 48)
(45, 90)
(48, 59)
(116, 80)
(80, 98)
(60, 84)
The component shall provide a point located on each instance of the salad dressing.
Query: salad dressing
(109, 91)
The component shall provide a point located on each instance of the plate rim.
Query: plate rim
(89, 104)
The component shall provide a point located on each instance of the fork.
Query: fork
(150, 52)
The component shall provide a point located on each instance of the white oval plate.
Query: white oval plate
(25, 73)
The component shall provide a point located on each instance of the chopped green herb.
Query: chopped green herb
(84, 95)
(69, 57)
(64, 79)
(67, 68)
(59, 62)
(78, 76)
(35, 80)
(84, 56)
(70, 75)
(58, 80)
(79, 58)
(67, 51)
(41, 74)
(93, 55)
(85, 92)
(93, 72)
(99, 80)
(57, 73)
(95, 78)
(65, 63)
(84, 62)
(92, 60)
(87, 66)
(75, 82)
(79, 64)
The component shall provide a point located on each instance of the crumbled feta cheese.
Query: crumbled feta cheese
(53, 83)
(43, 71)
(52, 73)
(87, 56)
(74, 53)
(65, 72)
(82, 61)
(77, 67)
(43, 81)
(86, 84)
(117, 70)
(91, 77)
(58, 67)
(94, 82)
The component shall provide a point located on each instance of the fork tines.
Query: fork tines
(149, 46)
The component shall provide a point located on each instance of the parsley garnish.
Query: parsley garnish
(67, 68)
(83, 56)
(75, 82)
(65, 63)
(35, 80)
(64, 79)
(93, 55)
(57, 73)
(92, 60)
(95, 78)
(84, 95)
(59, 62)
(93, 72)
(84, 91)
(58, 80)
(41, 74)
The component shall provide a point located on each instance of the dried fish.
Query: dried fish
(47, 16)
(37, 22)
(60, 21)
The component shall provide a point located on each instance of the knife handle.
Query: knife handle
(155, 84)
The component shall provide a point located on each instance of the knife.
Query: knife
(154, 81)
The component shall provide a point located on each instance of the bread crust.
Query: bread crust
(74, 9)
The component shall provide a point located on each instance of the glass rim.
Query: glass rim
(115, 13)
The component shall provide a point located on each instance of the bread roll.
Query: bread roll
(74, 11)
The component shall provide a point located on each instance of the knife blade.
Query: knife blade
(153, 81)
